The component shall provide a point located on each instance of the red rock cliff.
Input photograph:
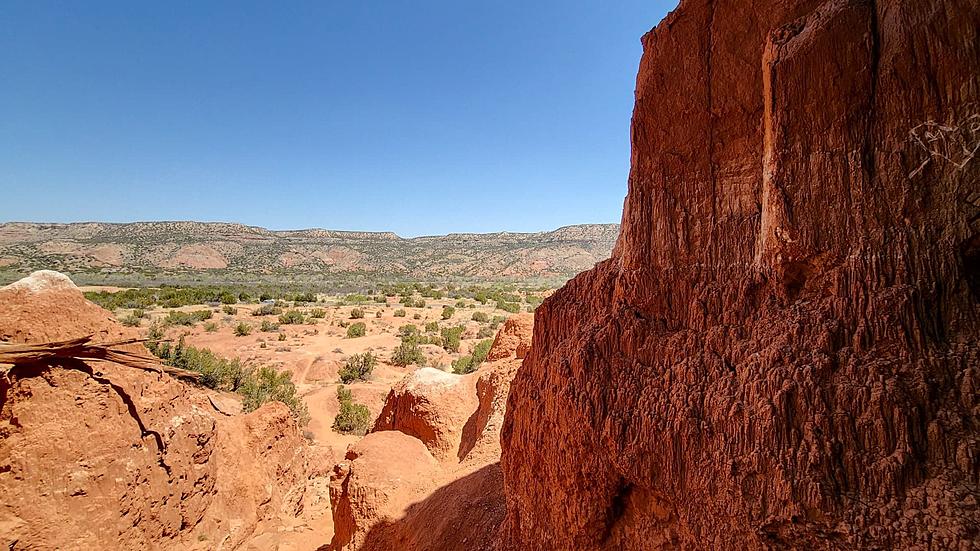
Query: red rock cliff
(783, 350)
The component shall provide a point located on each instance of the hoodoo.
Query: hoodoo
(782, 351)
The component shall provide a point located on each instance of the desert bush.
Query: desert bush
(292, 317)
(481, 317)
(268, 326)
(497, 320)
(481, 350)
(186, 318)
(304, 297)
(139, 313)
(463, 365)
(400, 313)
(227, 298)
(268, 384)
(511, 307)
(378, 314)
(216, 372)
(408, 330)
(357, 367)
(353, 418)
(210, 327)
(460, 304)
(408, 352)
(356, 330)
(416, 316)
(451, 337)
(282, 337)
(447, 312)
(130, 321)
(356, 314)
(432, 327)
(230, 310)
(243, 329)
(318, 313)
(267, 310)
(485, 332)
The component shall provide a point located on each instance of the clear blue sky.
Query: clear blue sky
(419, 117)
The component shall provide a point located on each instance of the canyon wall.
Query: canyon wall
(782, 351)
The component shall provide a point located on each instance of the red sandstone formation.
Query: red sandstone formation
(514, 338)
(391, 493)
(433, 406)
(782, 351)
(96, 455)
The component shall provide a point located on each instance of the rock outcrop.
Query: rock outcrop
(97, 455)
(431, 405)
(782, 351)
(428, 476)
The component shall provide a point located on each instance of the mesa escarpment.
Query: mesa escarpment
(782, 351)
(185, 251)
(98, 455)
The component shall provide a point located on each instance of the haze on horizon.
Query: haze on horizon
(416, 118)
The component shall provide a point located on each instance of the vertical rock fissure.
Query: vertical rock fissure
(711, 124)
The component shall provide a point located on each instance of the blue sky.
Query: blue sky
(418, 117)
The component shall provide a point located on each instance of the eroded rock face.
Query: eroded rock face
(430, 405)
(95, 455)
(428, 477)
(782, 351)
(375, 482)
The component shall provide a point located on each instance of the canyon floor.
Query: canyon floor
(432, 449)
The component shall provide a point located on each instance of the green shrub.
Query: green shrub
(268, 326)
(243, 329)
(267, 310)
(356, 314)
(230, 310)
(511, 307)
(268, 384)
(400, 313)
(353, 418)
(227, 298)
(481, 317)
(139, 313)
(432, 327)
(460, 304)
(210, 327)
(496, 321)
(186, 318)
(484, 332)
(464, 365)
(408, 330)
(408, 352)
(282, 337)
(356, 330)
(130, 321)
(447, 312)
(451, 338)
(292, 317)
(357, 367)
(481, 350)
(318, 313)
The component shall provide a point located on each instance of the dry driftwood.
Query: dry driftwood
(84, 349)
